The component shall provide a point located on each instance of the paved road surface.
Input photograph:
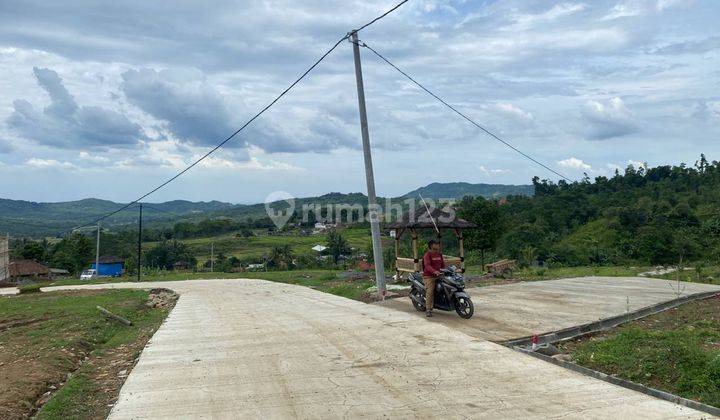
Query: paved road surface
(256, 349)
(518, 310)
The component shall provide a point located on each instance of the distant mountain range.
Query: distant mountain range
(19, 217)
(458, 190)
(27, 218)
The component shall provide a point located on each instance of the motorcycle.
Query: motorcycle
(449, 293)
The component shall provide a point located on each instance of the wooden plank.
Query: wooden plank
(405, 264)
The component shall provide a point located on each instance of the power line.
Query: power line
(381, 16)
(262, 111)
(488, 132)
(222, 143)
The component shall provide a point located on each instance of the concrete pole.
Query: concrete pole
(212, 257)
(139, 250)
(372, 199)
(97, 253)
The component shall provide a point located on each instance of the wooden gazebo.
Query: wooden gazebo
(436, 219)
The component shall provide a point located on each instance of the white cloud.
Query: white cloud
(86, 157)
(253, 163)
(49, 164)
(574, 163)
(514, 112)
(637, 164)
(626, 8)
(630, 8)
(526, 21)
(490, 171)
(608, 119)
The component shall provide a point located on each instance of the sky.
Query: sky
(108, 100)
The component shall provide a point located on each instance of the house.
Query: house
(27, 270)
(181, 265)
(319, 248)
(321, 227)
(253, 267)
(110, 266)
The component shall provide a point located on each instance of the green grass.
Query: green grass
(699, 273)
(329, 281)
(677, 351)
(67, 322)
(258, 246)
(71, 400)
(544, 273)
(565, 272)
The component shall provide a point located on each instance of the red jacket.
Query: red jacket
(432, 263)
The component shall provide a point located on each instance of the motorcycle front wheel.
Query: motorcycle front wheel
(418, 306)
(464, 307)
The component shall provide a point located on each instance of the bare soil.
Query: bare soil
(53, 343)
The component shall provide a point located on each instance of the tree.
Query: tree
(486, 215)
(32, 251)
(336, 244)
(281, 257)
(167, 253)
(72, 253)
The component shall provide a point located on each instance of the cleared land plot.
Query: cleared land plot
(676, 351)
(248, 348)
(44, 337)
(517, 310)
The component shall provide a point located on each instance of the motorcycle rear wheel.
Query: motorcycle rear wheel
(464, 307)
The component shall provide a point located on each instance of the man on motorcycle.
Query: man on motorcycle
(432, 264)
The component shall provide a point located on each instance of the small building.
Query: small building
(181, 266)
(110, 266)
(319, 248)
(27, 270)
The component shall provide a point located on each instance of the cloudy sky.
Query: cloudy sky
(108, 99)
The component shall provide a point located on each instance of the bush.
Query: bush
(30, 288)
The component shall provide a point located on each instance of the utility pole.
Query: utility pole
(139, 251)
(212, 257)
(372, 199)
(97, 253)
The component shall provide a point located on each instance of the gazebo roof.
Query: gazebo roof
(444, 218)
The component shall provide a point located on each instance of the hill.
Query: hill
(458, 190)
(27, 218)
(30, 218)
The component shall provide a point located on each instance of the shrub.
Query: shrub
(30, 288)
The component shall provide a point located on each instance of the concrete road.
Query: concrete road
(256, 349)
(517, 310)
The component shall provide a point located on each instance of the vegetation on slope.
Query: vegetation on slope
(659, 215)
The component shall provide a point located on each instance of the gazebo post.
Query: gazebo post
(416, 263)
(459, 235)
(398, 234)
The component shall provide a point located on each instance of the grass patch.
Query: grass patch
(258, 246)
(677, 351)
(329, 281)
(699, 273)
(53, 334)
(29, 288)
(545, 273)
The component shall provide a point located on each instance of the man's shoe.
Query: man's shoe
(428, 314)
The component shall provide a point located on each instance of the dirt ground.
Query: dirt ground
(49, 352)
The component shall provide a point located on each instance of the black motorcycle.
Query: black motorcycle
(449, 293)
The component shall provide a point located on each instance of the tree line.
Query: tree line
(657, 215)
